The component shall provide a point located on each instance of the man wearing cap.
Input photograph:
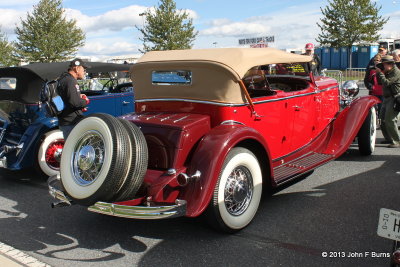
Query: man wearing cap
(74, 101)
(315, 64)
(389, 76)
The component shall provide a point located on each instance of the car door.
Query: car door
(302, 105)
(105, 103)
(274, 122)
(125, 103)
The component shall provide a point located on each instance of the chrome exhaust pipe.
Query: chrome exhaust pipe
(183, 179)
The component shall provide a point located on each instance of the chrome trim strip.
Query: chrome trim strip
(231, 122)
(141, 212)
(191, 101)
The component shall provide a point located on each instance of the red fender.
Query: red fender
(348, 123)
(208, 159)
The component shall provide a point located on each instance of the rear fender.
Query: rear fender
(31, 139)
(209, 157)
(348, 123)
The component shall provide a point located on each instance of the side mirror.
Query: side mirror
(350, 88)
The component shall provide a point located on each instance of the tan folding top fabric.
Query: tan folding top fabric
(215, 72)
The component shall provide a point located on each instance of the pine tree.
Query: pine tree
(7, 52)
(167, 29)
(346, 22)
(47, 36)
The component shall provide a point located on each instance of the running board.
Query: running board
(300, 165)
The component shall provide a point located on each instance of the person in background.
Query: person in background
(315, 64)
(371, 81)
(74, 101)
(389, 76)
(396, 57)
(372, 65)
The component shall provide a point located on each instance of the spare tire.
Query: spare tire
(94, 159)
(138, 162)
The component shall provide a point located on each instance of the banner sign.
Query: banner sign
(256, 40)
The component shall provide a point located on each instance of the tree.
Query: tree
(47, 36)
(347, 22)
(167, 29)
(7, 52)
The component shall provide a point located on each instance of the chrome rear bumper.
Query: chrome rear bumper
(149, 211)
(141, 212)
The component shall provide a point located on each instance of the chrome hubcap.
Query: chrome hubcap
(238, 191)
(57, 154)
(88, 157)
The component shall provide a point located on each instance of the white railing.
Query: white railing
(346, 75)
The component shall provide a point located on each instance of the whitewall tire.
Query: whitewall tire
(367, 134)
(49, 153)
(93, 162)
(237, 193)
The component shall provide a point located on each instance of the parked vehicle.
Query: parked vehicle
(230, 124)
(29, 135)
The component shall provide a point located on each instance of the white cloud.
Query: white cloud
(9, 19)
(237, 29)
(114, 20)
(290, 31)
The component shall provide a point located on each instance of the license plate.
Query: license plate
(389, 224)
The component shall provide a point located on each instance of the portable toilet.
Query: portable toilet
(335, 58)
(364, 55)
(326, 57)
(318, 52)
(344, 58)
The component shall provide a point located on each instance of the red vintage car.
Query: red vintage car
(213, 129)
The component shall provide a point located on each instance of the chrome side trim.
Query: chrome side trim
(231, 122)
(190, 101)
(141, 212)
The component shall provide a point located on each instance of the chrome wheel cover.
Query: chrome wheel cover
(88, 157)
(238, 191)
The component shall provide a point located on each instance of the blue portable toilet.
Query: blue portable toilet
(318, 51)
(364, 55)
(326, 57)
(335, 58)
(344, 58)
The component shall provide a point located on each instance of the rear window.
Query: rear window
(8, 83)
(171, 77)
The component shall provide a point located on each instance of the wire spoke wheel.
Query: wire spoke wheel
(87, 161)
(238, 191)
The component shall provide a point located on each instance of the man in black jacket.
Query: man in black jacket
(74, 101)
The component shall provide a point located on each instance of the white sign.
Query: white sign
(256, 40)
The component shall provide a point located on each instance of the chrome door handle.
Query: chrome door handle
(125, 102)
(297, 108)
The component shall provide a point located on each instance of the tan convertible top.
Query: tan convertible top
(239, 60)
(215, 72)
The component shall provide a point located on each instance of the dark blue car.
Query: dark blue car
(29, 134)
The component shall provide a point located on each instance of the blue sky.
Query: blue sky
(110, 32)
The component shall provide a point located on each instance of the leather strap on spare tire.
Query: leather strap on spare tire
(94, 159)
(138, 162)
